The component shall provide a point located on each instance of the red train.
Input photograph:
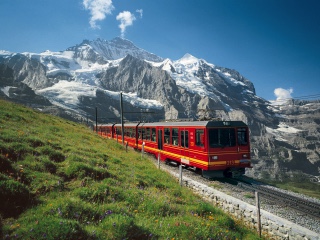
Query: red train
(215, 147)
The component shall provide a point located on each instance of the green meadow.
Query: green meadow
(60, 180)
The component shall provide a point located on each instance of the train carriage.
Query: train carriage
(105, 130)
(130, 133)
(215, 147)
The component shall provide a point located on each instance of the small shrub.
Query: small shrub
(81, 170)
(54, 155)
(44, 182)
(17, 150)
(35, 142)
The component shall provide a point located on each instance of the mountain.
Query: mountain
(92, 74)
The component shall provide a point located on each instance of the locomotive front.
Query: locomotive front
(228, 148)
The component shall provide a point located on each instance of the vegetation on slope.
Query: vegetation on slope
(59, 180)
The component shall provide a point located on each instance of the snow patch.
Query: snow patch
(282, 131)
(6, 90)
(66, 93)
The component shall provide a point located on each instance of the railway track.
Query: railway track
(304, 206)
(286, 200)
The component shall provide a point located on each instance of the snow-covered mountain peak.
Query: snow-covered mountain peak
(122, 42)
(187, 59)
(3, 52)
(112, 50)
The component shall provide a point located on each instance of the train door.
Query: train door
(184, 141)
(160, 143)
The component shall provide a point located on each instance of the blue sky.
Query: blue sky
(273, 43)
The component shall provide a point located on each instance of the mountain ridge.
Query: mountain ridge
(93, 73)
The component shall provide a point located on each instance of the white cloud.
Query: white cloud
(140, 11)
(282, 95)
(98, 10)
(126, 19)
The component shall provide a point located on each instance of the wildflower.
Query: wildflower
(135, 211)
(108, 212)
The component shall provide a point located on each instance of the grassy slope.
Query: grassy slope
(59, 180)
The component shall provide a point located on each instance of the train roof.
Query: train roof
(188, 124)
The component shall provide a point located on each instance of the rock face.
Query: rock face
(294, 146)
(18, 91)
(91, 75)
(26, 70)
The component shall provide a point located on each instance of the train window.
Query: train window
(199, 137)
(148, 133)
(242, 136)
(184, 139)
(139, 133)
(143, 133)
(118, 131)
(167, 135)
(153, 135)
(175, 136)
(222, 137)
(133, 133)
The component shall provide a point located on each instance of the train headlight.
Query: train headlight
(244, 155)
(214, 157)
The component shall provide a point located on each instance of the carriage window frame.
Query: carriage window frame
(199, 135)
(242, 136)
(153, 134)
(175, 136)
(139, 133)
(184, 138)
(167, 135)
(148, 133)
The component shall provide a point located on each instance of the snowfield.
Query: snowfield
(282, 131)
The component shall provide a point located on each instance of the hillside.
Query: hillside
(75, 82)
(59, 180)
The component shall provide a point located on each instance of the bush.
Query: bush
(81, 170)
(54, 155)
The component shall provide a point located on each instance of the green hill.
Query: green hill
(59, 180)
